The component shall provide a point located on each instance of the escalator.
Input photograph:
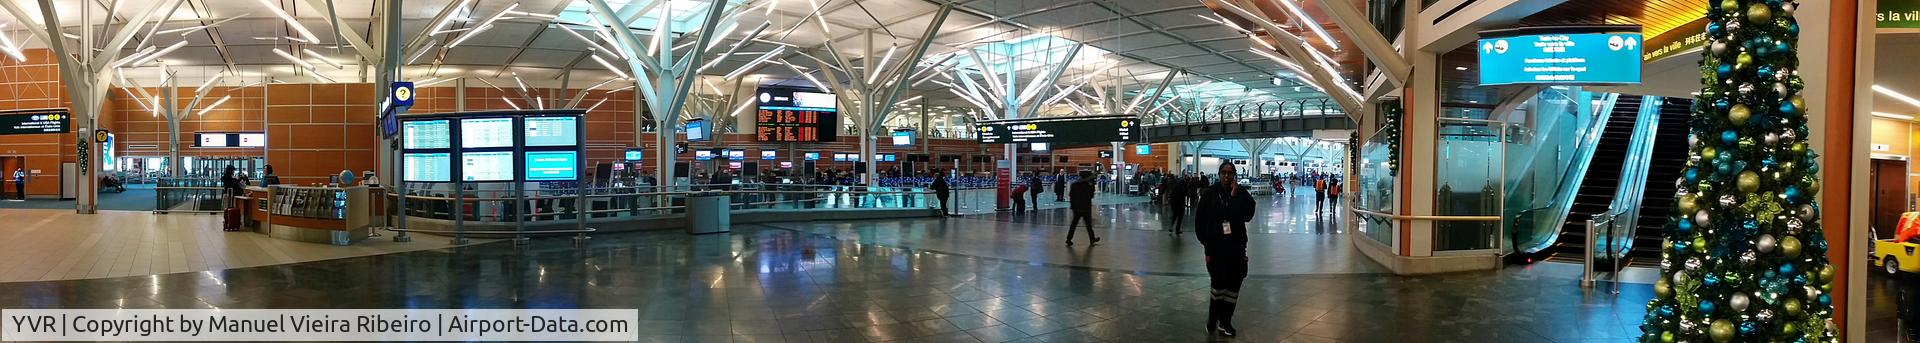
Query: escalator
(1597, 190)
(1669, 158)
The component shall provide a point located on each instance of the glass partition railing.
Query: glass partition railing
(562, 204)
(1468, 182)
(1548, 156)
(1376, 188)
(1617, 237)
(188, 195)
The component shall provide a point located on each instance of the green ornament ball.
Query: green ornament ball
(1709, 153)
(1666, 337)
(1721, 330)
(1813, 185)
(1662, 289)
(1687, 204)
(1792, 306)
(1700, 245)
(1729, 5)
(1827, 273)
(1748, 182)
(1739, 115)
(1789, 329)
(1798, 102)
(1799, 148)
(1790, 246)
(1743, 61)
(1759, 13)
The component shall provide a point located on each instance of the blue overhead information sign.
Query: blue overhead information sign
(1561, 58)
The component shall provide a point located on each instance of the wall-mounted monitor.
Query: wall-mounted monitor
(487, 166)
(703, 154)
(428, 167)
(786, 164)
(902, 138)
(736, 154)
(1038, 146)
(888, 157)
(1099, 129)
(552, 131)
(1561, 55)
(636, 154)
(480, 133)
(252, 140)
(427, 134)
(229, 139)
(697, 130)
(735, 165)
(812, 156)
(769, 154)
(553, 165)
(788, 115)
(1143, 149)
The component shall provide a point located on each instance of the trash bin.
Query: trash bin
(709, 212)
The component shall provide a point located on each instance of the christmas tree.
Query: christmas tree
(1744, 259)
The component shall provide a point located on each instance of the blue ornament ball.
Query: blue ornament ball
(1793, 29)
(1706, 306)
(1765, 72)
(1729, 137)
(1684, 227)
(1693, 175)
(1786, 107)
(1712, 280)
(1714, 28)
(1786, 269)
(1780, 46)
(1722, 104)
(1793, 193)
(1799, 280)
(1826, 300)
(1666, 311)
(1679, 245)
(1748, 329)
(1724, 70)
(1722, 168)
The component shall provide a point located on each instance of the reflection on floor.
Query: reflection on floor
(1883, 305)
(858, 284)
(136, 198)
(61, 245)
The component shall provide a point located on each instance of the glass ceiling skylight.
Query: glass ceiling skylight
(1024, 54)
(683, 15)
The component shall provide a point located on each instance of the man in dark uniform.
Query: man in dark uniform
(1224, 210)
(1177, 203)
(1035, 186)
(942, 190)
(1060, 185)
(1082, 206)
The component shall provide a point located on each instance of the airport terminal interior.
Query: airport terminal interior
(965, 170)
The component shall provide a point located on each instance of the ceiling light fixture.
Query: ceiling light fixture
(1893, 116)
(295, 60)
(610, 67)
(756, 62)
(216, 103)
(1311, 24)
(423, 51)
(209, 84)
(447, 20)
(290, 21)
(510, 103)
(482, 26)
(875, 73)
(1896, 95)
(157, 54)
(440, 81)
(323, 59)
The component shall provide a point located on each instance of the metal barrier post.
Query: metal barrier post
(459, 214)
(580, 211)
(519, 217)
(1586, 274)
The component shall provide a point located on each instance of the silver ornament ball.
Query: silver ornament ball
(1739, 302)
(1766, 244)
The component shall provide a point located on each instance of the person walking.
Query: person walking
(1083, 207)
(941, 190)
(1060, 185)
(1034, 187)
(1319, 193)
(1177, 204)
(1224, 210)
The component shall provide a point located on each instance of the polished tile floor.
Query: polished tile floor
(855, 282)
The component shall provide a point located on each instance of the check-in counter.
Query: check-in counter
(315, 214)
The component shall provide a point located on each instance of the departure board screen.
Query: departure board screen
(427, 134)
(428, 167)
(486, 133)
(787, 115)
(1101, 129)
(487, 166)
(552, 131)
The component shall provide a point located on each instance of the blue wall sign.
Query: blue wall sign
(403, 94)
(1561, 58)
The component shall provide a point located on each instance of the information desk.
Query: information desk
(330, 215)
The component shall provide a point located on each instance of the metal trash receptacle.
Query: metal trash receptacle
(709, 212)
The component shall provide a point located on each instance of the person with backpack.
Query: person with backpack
(1319, 193)
(1035, 186)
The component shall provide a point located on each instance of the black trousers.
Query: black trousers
(1079, 216)
(1227, 273)
(20, 190)
(943, 202)
(1179, 217)
(1036, 200)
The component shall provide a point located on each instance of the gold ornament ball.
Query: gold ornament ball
(1729, 5)
(1792, 306)
(1790, 246)
(1662, 289)
(1687, 204)
(1739, 115)
(1748, 182)
(1798, 102)
(1721, 331)
(1827, 273)
(1759, 13)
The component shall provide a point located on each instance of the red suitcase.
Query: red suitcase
(232, 220)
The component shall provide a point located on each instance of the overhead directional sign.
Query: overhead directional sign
(35, 122)
(1099, 129)
(1574, 56)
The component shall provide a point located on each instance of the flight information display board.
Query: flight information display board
(787, 115)
(487, 166)
(552, 131)
(486, 133)
(1102, 129)
(252, 140)
(1559, 58)
(229, 140)
(428, 167)
(552, 165)
(427, 134)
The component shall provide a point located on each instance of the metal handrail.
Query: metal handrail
(1587, 277)
(1428, 218)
